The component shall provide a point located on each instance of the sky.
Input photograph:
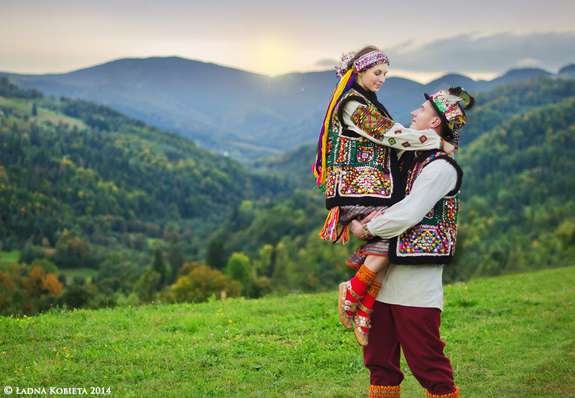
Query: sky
(423, 39)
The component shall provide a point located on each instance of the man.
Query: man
(422, 228)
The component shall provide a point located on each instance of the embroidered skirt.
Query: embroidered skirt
(374, 247)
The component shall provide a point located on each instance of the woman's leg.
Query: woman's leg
(362, 319)
(353, 292)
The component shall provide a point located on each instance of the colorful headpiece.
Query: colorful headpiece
(347, 77)
(361, 64)
(450, 105)
(370, 59)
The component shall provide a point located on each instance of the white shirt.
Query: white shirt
(414, 285)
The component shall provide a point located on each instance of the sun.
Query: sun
(272, 56)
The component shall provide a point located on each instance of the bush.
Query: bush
(200, 283)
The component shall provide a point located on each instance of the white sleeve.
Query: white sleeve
(374, 126)
(435, 181)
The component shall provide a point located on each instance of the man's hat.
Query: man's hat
(450, 105)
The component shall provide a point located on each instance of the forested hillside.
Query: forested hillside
(153, 217)
(226, 110)
(84, 187)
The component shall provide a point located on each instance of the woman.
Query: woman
(357, 168)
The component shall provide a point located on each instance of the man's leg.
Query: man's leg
(381, 355)
(417, 329)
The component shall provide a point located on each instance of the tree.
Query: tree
(201, 283)
(159, 267)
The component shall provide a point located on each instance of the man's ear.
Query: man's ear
(436, 122)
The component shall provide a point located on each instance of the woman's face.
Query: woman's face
(373, 78)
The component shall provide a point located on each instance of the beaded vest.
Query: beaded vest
(359, 171)
(432, 240)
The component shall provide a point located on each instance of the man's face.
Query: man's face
(425, 117)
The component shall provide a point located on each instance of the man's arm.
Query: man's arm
(384, 131)
(435, 181)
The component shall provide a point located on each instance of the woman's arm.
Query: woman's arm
(377, 128)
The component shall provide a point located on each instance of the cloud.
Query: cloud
(527, 62)
(486, 53)
(326, 62)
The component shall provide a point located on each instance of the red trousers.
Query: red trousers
(416, 331)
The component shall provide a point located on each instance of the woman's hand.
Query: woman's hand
(371, 216)
(447, 147)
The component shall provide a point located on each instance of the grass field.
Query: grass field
(44, 115)
(511, 336)
(7, 258)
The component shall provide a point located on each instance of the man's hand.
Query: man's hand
(360, 231)
(447, 147)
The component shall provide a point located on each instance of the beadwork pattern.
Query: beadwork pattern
(436, 234)
(344, 154)
(364, 153)
(363, 181)
(370, 59)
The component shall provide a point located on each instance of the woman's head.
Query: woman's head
(373, 78)
(370, 64)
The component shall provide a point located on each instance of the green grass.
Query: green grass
(510, 336)
(44, 115)
(8, 258)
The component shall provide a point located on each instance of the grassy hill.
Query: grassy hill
(508, 336)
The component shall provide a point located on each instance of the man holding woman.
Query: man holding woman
(421, 226)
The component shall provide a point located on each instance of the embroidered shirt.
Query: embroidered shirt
(414, 285)
(381, 130)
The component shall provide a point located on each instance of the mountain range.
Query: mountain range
(230, 111)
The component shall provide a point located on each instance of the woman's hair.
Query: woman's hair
(358, 54)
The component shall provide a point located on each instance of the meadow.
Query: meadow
(508, 336)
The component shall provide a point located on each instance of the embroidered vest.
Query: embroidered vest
(359, 171)
(432, 241)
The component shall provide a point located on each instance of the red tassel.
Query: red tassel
(331, 231)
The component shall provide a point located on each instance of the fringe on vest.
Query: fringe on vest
(333, 230)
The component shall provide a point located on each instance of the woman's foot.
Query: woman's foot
(362, 319)
(361, 326)
(345, 308)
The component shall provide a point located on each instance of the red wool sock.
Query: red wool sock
(359, 285)
(366, 306)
